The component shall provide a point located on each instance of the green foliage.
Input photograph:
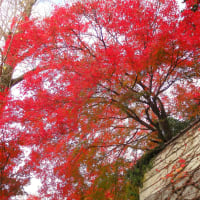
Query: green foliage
(177, 125)
(136, 174)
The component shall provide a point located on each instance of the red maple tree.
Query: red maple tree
(109, 75)
(12, 173)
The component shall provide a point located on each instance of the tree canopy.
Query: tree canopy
(108, 78)
(12, 177)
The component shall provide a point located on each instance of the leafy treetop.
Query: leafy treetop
(101, 89)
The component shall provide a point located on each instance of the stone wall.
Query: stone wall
(175, 174)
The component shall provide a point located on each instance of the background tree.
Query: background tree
(12, 177)
(101, 90)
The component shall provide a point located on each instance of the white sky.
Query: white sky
(44, 7)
